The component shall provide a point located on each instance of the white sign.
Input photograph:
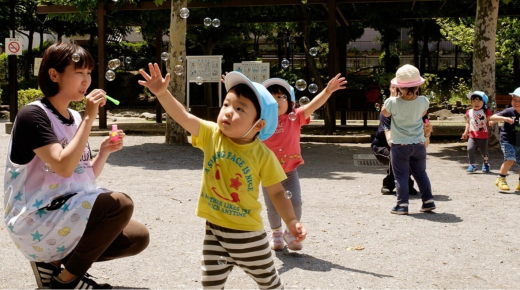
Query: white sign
(209, 67)
(255, 71)
(13, 46)
(37, 64)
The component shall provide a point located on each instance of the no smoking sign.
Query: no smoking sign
(13, 46)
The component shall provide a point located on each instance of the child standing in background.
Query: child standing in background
(407, 138)
(235, 162)
(508, 139)
(285, 143)
(477, 130)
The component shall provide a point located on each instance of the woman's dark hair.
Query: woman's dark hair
(243, 90)
(278, 89)
(477, 97)
(58, 56)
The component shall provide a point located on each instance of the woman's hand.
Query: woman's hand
(94, 100)
(108, 146)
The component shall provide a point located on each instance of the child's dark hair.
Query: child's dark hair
(248, 93)
(406, 91)
(278, 89)
(58, 56)
(477, 97)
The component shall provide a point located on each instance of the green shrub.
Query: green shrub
(30, 95)
(393, 61)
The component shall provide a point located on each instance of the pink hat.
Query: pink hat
(407, 76)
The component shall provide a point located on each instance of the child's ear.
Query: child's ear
(53, 75)
(260, 125)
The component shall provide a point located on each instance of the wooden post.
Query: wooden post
(13, 72)
(330, 121)
(159, 61)
(101, 61)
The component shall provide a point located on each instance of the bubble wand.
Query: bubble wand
(116, 102)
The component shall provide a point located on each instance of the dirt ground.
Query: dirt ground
(471, 241)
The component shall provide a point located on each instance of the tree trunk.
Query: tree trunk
(175, 133)
(516, 68)
(484, 51)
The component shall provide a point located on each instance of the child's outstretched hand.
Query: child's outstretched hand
(155, 82)
(509, 120)
(223, 79)
(336, 83)
(491, 123)
(297, 230)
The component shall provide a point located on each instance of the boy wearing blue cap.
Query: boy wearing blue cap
(508, 139)
(235, 162)
(477, 130)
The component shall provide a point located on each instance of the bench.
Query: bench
(502, 101)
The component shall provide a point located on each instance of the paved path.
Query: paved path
(472, 241)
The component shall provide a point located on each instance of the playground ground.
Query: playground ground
(353, 242)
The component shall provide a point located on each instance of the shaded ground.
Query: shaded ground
(470, 242)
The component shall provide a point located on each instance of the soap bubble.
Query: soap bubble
(47, 167)
(75, 57)
(376, 105)
(313, 51)
(292, 116)
(207, 21)
(492, 105)
(128, 60)
(164, 56)
(184, 12)
(304, 101)
(215, 22)
(222, 261)
(199, 80)
(288, 194)
(178, 69)
(285, 63)
(181, 59)
(114, 63)
(301, 85)
(382, 92)
(313, 88)
(110, 75)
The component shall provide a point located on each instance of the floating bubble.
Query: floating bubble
(222, 261)
(178, 69)
(207, 21)
(288, 194)
(304, 101)
(492, 105)
(376, 105)
(382, 92)
(285, 63)
(199, 80)
(181, 59)
(313, 51)
(75, 57)
(313, 88)
(110, 75)
(164, 56)
(215, 22)
(184, 12)
(128, 60)
(114, 63)
(47, 167)
(301, 85)
(292, 116)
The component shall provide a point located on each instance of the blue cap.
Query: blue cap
(479, 93)
(268, 105)
(516, 93)
(283, 83)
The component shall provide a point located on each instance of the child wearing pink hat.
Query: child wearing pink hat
(408, 151)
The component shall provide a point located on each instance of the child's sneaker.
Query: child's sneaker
(485, 168)
(428, 205)
(277, 240)
(501, 183)
(80, 282)
(289, 240)
(399, 209)
(472, 168)
(43, 272)
(517, 187)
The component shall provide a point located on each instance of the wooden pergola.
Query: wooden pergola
(335, 18)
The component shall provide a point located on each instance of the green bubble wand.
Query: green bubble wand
(116, 102)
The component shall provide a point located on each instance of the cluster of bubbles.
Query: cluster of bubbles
(377, 106)
(114, 63)
(184, 12)
(208, 22)
(313, 51)
(285, 63)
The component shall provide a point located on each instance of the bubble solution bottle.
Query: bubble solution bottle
(114, 134)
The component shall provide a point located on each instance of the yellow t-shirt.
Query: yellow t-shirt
(231, 179)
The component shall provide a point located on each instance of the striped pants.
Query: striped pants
(224, 248)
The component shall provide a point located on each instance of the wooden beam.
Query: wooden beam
(332, 66)
(102, 40)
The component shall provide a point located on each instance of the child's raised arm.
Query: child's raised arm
(285, 209)
(334, 84)
(159, 87)
(498, 118)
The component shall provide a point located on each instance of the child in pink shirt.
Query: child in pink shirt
(285, 143)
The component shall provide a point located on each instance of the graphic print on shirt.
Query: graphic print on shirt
(479, 122)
